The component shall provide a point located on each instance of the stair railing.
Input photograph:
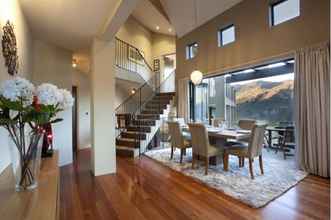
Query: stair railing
(131, 59)
(134, 104)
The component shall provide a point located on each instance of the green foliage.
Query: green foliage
(14, 113)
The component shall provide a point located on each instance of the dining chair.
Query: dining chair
(217, 121)
(249, 150)
(177, 139)
(201, 146)
(246, 124)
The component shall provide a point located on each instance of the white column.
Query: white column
(103, 154)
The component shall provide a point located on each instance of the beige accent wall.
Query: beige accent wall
(52, 64)
(255, 41)
(123, 90)
(163, 44)
(11, 10)
(137, 35)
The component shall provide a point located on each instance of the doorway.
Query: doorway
(74, 121)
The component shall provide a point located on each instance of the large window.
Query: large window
(226, 35)
(262, 93)
(284, 10)
(191, 50)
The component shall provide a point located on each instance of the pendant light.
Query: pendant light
(196, 75)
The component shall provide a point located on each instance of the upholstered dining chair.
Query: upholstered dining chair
(217, 121)
(177, 139)
(249, 150)
(246, 124)
(201, 146)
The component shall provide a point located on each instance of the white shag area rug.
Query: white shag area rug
(279, 175)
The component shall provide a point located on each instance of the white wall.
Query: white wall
(102, 78)
(137, 35)
(10, 9)
(81, 80)
(52, 64)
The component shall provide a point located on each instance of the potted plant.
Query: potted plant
(24, 109)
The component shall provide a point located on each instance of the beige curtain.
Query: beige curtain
(183, 99)
(312, 103)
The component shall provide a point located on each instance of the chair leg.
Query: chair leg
(193, 160)
(251, 167)
(243, 161)
(206, 165)
(239, 159)
(261, 164)
(226, 161)
(181, 155)
(172, 153)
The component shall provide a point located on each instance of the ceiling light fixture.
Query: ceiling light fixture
(157, 27)
(170, 30)
(133, 91)
(74, 63)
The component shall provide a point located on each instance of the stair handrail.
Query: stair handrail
(150, 82)
(138, 51)
(157, 89)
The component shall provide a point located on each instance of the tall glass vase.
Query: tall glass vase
(25, 158)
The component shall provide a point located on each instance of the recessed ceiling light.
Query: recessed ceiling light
(170, 30)
(157, 28)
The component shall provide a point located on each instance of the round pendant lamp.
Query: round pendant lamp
(196, 77)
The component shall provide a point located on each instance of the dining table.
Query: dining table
(220, 136)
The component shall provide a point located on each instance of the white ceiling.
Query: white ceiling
(148, 15)
(70, 24)
(182, 13)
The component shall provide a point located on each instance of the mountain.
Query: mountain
(263, 100)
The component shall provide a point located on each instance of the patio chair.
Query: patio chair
(287, 141)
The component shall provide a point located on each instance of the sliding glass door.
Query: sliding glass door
(263, 93)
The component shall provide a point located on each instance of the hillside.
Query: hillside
(263, 100)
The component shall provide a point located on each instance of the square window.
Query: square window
(226, 35)
(284, 10)
(191, 50)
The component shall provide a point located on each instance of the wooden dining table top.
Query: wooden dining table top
(224, 133)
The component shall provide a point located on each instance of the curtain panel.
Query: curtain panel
(312, 109)
(183, 99)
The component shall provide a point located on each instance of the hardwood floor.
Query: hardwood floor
(144, 189)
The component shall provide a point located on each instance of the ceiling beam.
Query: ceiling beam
(118, 15)
(288, 68)
(157, 4)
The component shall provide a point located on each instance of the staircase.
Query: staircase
(140, 116)
(137, 135)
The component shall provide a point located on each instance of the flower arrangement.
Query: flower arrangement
(25, 108)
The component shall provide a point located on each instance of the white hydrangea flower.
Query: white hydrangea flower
(67, 99)
(18, 89)
(48, 94)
